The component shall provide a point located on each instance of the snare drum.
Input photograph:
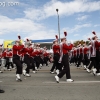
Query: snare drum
(10, 60)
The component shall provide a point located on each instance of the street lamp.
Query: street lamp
(58, 24)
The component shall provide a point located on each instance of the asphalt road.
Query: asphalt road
(42, 86)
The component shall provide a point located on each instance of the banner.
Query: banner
(9, 43)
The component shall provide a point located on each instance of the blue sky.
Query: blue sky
(37, 19)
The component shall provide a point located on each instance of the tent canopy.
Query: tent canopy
(42, 41)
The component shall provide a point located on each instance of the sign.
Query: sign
(9, 43)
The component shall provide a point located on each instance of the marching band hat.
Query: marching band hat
(89, 39)
(65, 34)
(27, 42)
(94, 35)
(19, 38)
(56, 40)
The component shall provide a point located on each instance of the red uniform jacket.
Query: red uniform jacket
(66, 48)
(56, 49)
(4, 54)
(17, 50)
(97, 45)
(80, 50)
(45, 54)
(27, 51)
(75, 52)
(9, 54)
(85, 50)
(33, 54)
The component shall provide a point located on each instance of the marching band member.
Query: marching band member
(27, 51)
(97, 46)
(89, 54)
(36, 58)
(75, 55)
(71, 56)
(6, 57)
(45, 55)
(40, 56)
(77, 50)
(32, 55)
(65, 60)
(94, 53)
(80, 55)
(54, 64)
(10, 55)
(56, 54)
(85, 55)
(17, 48)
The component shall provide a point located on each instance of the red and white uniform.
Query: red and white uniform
(45, 54)
(33, 54)
(56, 48)
(85, 50)
(10, 54)
(75, 52)
(89, 51)
(80, 50)
(95, 46)
(4, 54)
(64, 49)
(17, 50)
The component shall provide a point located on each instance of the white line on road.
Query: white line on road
(73, 82)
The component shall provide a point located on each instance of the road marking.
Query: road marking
(73, 82)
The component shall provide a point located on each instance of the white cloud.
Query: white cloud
(65, 8)
(18, 25)
(46, 34)
(35, 14)
(80, 18)
(76, 28)
(26, 27)
(97, 25)
(76, 34)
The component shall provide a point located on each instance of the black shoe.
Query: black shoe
(2, 91)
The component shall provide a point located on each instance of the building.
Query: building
(44, 42)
